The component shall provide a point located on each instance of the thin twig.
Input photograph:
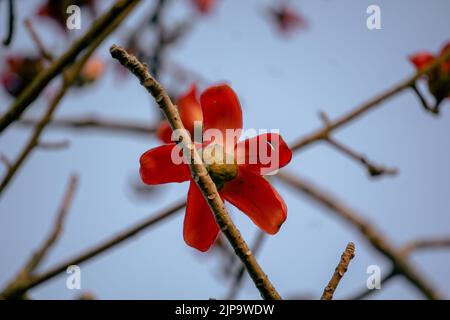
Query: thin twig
(415, 245)
(367, 230)
(69, 79)
(57, 145)
(339, 272)
(58, 226)
(199, 173)
(423, 101)
(33, 90)
(96, 123)
(38, 41)
(322, 133)
(11, 22)
(426, 244)
(91, 252)
(364, 293)
(26, 273)
(239, 277)
(6, 162)
(373, 169)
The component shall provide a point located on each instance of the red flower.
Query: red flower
(422, 59)
(56, 9)
(439, 79)
(239, 181)
(190, 111)
(20, 71)
(92, 70)
(287, 19)
(204, 6)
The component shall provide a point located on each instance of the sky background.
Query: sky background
(282, 82)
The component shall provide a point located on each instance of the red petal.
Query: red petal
(263, 154)
(421, 59)
(254, 196)
(204, 6)
(164, 132)
(190, 109)
(200, 227)
(221, 111)
(158, 167)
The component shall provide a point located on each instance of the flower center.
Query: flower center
(221, 166)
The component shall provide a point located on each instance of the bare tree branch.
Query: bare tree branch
(38, 41)
(339, 272)
(20, 288)
(239, 277)
(11, 22)
(26, 273)
(426, 244)
(57, 145)
(96, 123)
(322, 133)
(367, 230)
(69, 79)
(415, 245)
(373, 169)
(433, 110)
(33, 90)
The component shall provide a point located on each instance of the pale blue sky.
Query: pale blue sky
(282, 83)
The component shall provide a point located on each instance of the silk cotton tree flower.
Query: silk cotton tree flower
(239, 179)
(439, 79)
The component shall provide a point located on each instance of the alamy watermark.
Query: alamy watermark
(73, 21)
(73, 281)
(235, 147)
(374, 280)
(373, 22)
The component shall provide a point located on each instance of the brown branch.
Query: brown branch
(422, 244)
(322, 133)
(407, 250)
(20, 288)
(199, 173)
(373, 169)
(58, 226)
(239, 277)
(366, 229)
(6, 162)
(95, 123)
(38, 41)
(339, 272)
(69, 79)
(11, 22)
(423, 101)
(364, 293)
(33, 90)
(57, 145)
(26, 273)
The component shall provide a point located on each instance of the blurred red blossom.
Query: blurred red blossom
(287, 19)
(92, 71)
(19, 71)
(240, 184)
(439, 79)
(190, 111)
(204, 6)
